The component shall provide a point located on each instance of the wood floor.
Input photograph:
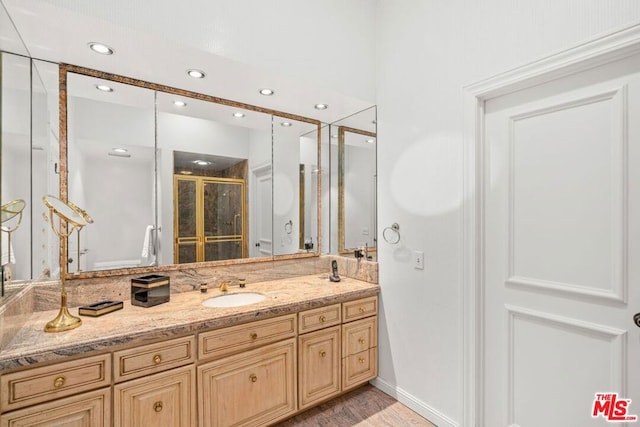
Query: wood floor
(366, 406)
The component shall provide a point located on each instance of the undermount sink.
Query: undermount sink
(234, 300)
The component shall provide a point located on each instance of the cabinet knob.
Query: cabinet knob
(323, 319)
(58, 382)
(157, 406)
(362, 309)
(323, 353)
(361, 360)
(157, 359)
(253, 378)
(253, 336)
(361, 340)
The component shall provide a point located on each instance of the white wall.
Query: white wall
(426, 52)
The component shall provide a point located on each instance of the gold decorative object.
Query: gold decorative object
(8, 211)
(75, 219)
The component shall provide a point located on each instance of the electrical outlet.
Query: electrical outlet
(418, 260)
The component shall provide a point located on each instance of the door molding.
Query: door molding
(602, 49)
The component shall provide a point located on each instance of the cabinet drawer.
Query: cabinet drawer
(87, 409)
(152, 358)
(359, 368)
(359, 336)
(37, 385)
(222, 342)
(319, 318)
(358, 309)
(255, 388)
(164, 399)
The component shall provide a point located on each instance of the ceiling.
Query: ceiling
(60, 32)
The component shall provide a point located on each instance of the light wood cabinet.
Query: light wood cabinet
(37, 385)
(319, 366)
(359, 342)
(359, 309)
(254, 388)
(319, 318)
(86, 409)
(164, 399)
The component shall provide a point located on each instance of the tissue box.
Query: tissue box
(151, 290)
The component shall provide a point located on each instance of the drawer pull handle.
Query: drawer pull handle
(157, 359)
(361, 360)
(323, 319)
(157, 406)
(362, 309)
(361, 340)
(58, 382)
(323, 353)
(253, 378)
(253, 336)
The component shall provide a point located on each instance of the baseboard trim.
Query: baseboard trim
(431, 414)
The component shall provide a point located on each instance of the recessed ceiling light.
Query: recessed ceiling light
(266, 92)
(285, 124)
(196, 74)
(321, 106)
(104, 88)
(179, 103)
(119, 150)
(100, 48)
(371, 141)
(238, 115)
(201, 162)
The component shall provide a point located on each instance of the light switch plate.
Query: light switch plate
(418, 260)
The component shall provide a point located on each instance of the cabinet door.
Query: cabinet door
(319, 365)
(165, 399)
(91, 409)
(250, 389)
(359, 368)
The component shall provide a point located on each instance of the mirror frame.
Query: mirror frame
(341, 208)
(68, 68)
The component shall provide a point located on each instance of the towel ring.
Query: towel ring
(288, 227)
(391, 234)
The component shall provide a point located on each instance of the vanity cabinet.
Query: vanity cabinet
(319, 366)
(148, 391)
(254, 388)
(359, 342)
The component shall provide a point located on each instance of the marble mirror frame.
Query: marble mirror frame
(66, 68)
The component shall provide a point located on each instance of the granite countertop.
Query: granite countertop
(184, 314)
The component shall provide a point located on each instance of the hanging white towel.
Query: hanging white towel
(147, 241)
(6, 249)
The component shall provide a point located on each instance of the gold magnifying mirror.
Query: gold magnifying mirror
(8, 212)
(75, 218)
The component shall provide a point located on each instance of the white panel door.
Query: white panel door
(562, 250)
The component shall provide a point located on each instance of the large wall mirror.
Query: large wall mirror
(173, 177)
(356, 179)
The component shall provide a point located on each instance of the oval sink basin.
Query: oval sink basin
(234, 300)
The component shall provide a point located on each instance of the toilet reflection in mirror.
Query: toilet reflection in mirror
(11, 217)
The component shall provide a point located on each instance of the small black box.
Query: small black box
(147, 291)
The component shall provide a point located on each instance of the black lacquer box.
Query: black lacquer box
(147, 291)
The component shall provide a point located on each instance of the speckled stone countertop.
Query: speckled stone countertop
(184, 314)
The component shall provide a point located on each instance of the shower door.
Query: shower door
(209, 219)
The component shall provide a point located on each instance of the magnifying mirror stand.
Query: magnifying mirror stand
(64, 320)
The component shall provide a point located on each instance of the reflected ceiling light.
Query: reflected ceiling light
(111, 153)
(196, 74)
(238, 115)
(179, 103)
(104, 88)
(266, 92)
(186, 172)
(119, 150)
(201, 162)
(321, 106)
(285, 124)
(334, 136)
(371, 141)
(100, 48)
